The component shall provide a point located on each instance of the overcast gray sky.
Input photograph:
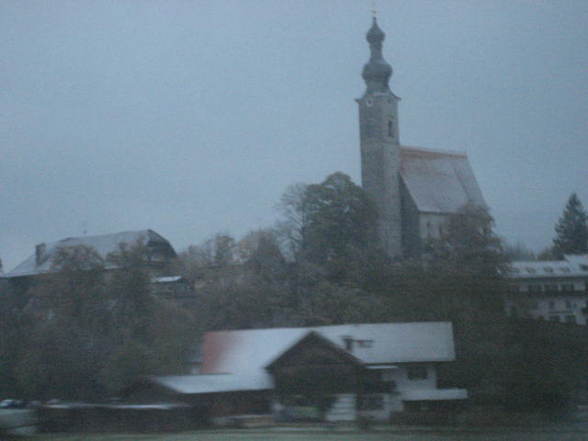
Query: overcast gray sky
(191, 117)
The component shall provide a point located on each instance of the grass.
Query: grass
(335, 435)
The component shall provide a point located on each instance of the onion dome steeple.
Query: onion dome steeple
(377, 71)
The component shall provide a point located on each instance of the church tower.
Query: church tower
(380, 144)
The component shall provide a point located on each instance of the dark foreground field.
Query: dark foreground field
(555, 433)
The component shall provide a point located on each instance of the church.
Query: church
(414, 189)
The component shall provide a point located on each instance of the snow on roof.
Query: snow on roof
(166, 279)
(247, 353)
(577, 259)
(215, 383)
(104, 244)
(573, 266)
(439, 181)
(237, 360)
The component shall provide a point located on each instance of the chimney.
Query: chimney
(40, 253)
(348, 342)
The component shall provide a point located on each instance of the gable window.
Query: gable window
(429, 230)
(391, 128)
(416, 373)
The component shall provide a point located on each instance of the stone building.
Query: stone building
(414, 189)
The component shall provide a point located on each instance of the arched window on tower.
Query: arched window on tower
(391, 128)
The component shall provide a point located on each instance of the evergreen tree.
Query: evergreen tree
(571, 229)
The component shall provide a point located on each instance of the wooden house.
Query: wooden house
(335, 373)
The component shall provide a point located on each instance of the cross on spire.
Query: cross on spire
(377, 71)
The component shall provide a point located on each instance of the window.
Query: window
(530, 270)
(548, 269)
(551, 287)
(417, 373)
(371, 402)
(376, 381)
(554, 318)
(568, 304)
(391, 128)
(551, 305)
(567, 287)
(535, 288)
(571, 319)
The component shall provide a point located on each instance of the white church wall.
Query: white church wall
(431, 225)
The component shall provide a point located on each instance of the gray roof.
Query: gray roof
(212, 383)
(572, 267)
(439, 181)
(229, 351)
(103, 244)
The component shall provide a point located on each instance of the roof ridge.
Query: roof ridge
(417, 149)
